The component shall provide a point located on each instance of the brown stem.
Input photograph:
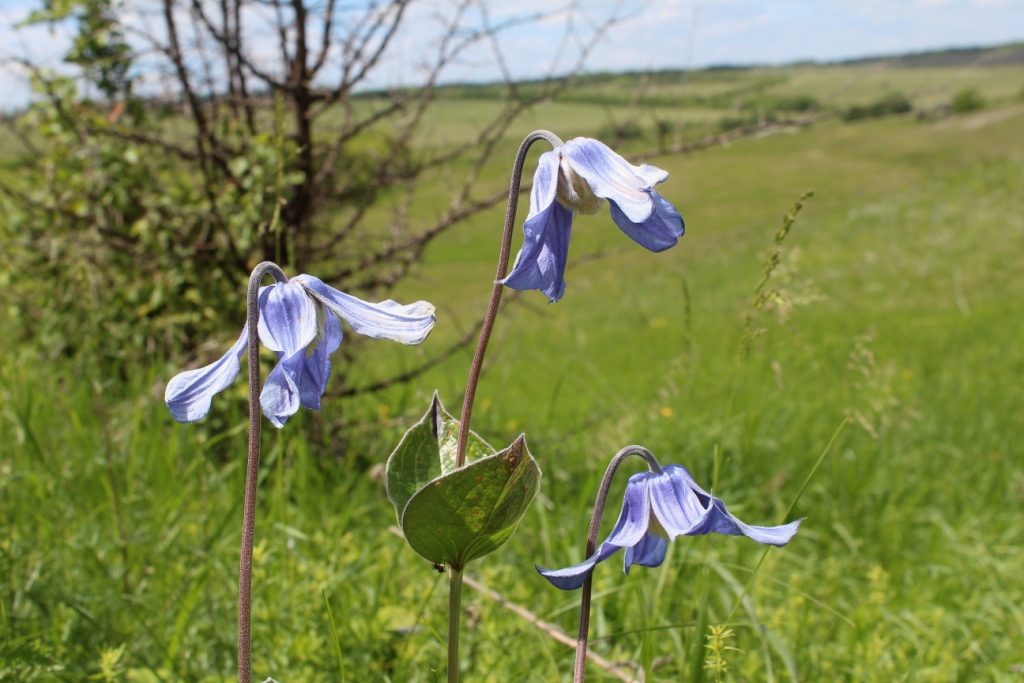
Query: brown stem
(252, 469)
(492, 307)
(579, 671)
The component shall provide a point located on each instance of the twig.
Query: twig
(721, 138)
(531, 618)
(550, 629)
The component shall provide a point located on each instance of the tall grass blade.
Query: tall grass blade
(334, 635)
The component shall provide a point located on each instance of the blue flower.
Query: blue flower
(301, 321)
(574, 178)
(657, 508)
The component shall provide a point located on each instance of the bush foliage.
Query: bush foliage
(113, 247)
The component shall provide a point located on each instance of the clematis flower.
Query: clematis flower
(658, 507)
(301, 321)
(575, 178)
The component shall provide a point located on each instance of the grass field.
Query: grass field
(901, 283)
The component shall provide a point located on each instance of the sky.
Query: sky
(652, 34)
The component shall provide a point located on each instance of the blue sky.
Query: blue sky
(780, 31)
(657, 34)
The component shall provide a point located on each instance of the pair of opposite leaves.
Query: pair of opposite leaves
(450, 515)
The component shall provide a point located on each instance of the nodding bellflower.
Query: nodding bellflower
(301, 321)
(576, 178)
(658, 507)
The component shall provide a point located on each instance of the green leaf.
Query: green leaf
(452, 516)
(238, 166)
(426, 452)
(474, 510)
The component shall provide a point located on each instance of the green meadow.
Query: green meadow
(896, 322)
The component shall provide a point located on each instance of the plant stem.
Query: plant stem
(492, 307)
(579, 673)
(455, 575)
(252, 468)
(454, 621)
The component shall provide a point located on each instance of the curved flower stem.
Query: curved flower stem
(579, 673)
(492, 307)
(252, 468)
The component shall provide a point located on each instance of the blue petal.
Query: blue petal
(675, 502)
(636, 512)
(287, 318)
(408, 324)
(727, 523)
(317, 367)
(649, 552)
(541, 262)
(629, 530)
(658, 232)
(720, 521)
(189, 394)
(280, 396)
(612, 177)
(571, 578)
(545, 183)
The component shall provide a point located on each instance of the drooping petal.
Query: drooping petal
(280, 397)
(317, 366)
(409, 324)
(717, 519)
(660, 231)
(675, 502)
(541, 262)
(720, 521)
(612, 177)
(629, 529)
(571, 578)
(189, 393)
(636, 512)
(648, 552)
(287, 318)
(545, 183)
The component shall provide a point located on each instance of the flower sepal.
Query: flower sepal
(452, 515)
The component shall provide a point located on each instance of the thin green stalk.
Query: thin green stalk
(769, 264)
(814, 470)
(782, 520)
(700, 598)
(100, 409)
(716, 467)
(334, 634)
(454, 620)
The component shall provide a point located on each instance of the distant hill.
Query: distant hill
(624, 82)
(966, 56)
